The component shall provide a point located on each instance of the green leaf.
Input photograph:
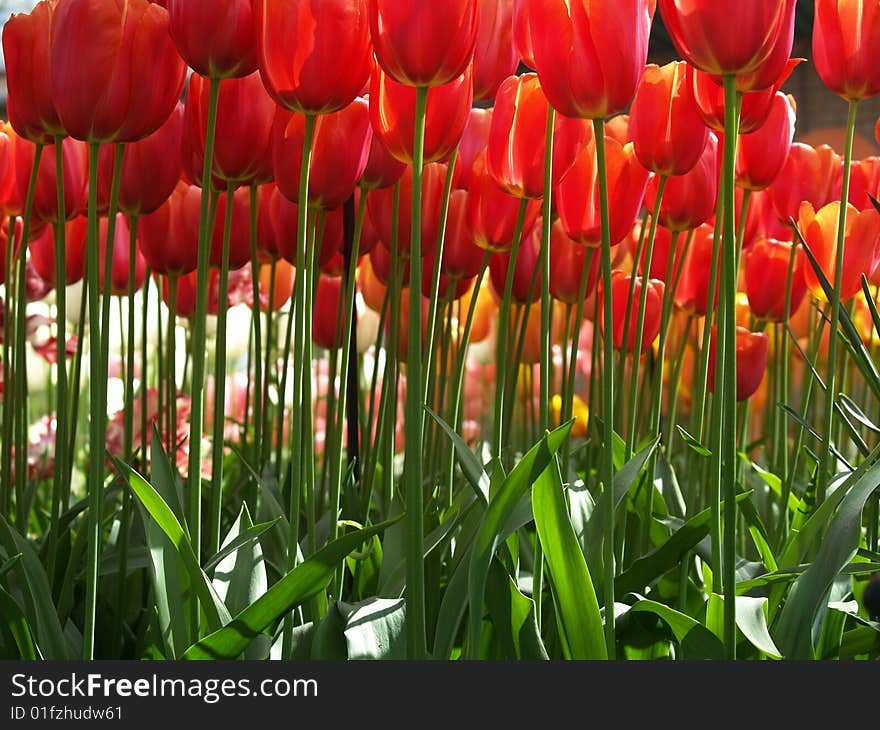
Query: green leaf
(696, 641)
(470, 465)
(503, 504)
(300, 584)
(375, 629)
(693, 442)
(577, 609)
(839, 544)
(15, 623)
(242, 539)
(39, 608)
(513, 617)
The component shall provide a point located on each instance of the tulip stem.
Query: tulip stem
(823, 476)
(257, 338)
(75, 390)
(61, 418)
(217, 440)
(171, 371)
(640, 324)
(607, 461)
(299, 312)
(197, 391)
(501, 334)
(145, 356)
(416, 632)
(96, 437)
(725, 373)
(9, 397)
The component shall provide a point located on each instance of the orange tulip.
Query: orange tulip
(819, 229)
(766, 274)
(846, 44)
(751, 361)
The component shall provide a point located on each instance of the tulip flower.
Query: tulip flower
(590, 55)
(48, 259)
(393, 114)
(150, 169)
(495, 55)
(116, 75)
(382, 169)
(284, 215)
(326, 325)
(11, 202)
(380, 206)
(726, 36)
(27, 53)
(522, 33)
(493, 212)
(809, 174)
(620, 288)
(665, 124)
(314, 57)
(239, 234)
(474, 140)
(568, 258)
(217, 38)
(820, 228)
(618, 127)
(448, 287)
(693, 289)
(762, 153)
(340, 149)
(281, 288)
(380, 264)
(169, 237)
(372, 289)
(462, 258)
(864, 181)
(526, 261)
(243, 133)
(423, 44)
(688, 200)
(751, 361)
(662, 252)
(846, 43)
(766, 266)
(75, 155)
(119, 285)
(761, 219)
(778, 65)
(577, 196)
(42, 252)
(517, 137)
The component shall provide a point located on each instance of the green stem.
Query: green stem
(171, 370)
(831, 380)
(416, 632)
(9, 397)
(607, 462)
(257, 335)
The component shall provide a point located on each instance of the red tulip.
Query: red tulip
(240, 231)
(577, 196)
(42, 252)
(568, 259)
(495, 56)
(761, 219)
(766, 266)
(380, 205)
(121, 256)
(4, 247)
(517, 137)
(590, 54)
(314, 57)
(453, 287)
(462, 257)
(11, 202)
(150, 169)
(693, 289)
(340, 150)
(663, 239)
(423, 43)
(380, 263)
(243, 134)
(217, 38)
(808, 174)
(756, 105)
(860, 254)
(864, 180)
(326, 319)
(474, 140)
(76, 164)
(762, 153)
(726, 36)
(393, 113)
(116, 75)
(527, 260)
(665, 124)
(522, 33)
(620, 286)
(846, 44)
(186, 293)
(618, 128)
(688, 200)
(751, 361)
(27, 52)
(492, 212)
(169, 237)
(382, 169)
